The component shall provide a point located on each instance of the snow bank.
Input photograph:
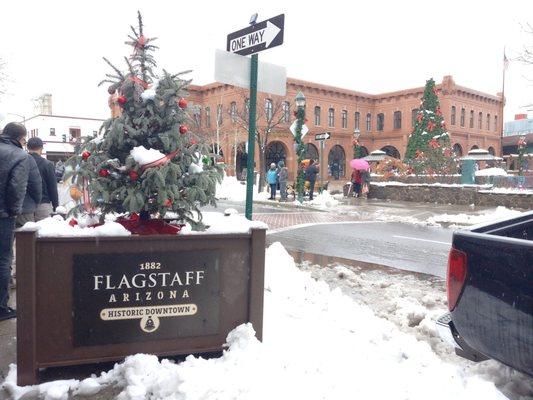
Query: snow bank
(499, 213)
(324, 200)
(318, 344)
(491, 172)
(229, 222)
(234, 190)
(57, 226)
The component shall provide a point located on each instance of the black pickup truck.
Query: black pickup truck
(490, 293)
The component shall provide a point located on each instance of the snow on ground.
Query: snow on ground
(234, 190)
(324, 200)
(318, 344)
(491, 172)
(489, 216)
(501, 190)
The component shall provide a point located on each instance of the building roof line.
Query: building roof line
(65, 116)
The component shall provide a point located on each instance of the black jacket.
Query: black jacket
(311, 173)
(48, 177)
(34, 191)
(14, 172)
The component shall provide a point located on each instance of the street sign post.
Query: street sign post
(258, 37)
(322, 137)
(251, 40)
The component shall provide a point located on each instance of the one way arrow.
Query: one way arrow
(271, 31)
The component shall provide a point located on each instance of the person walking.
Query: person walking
(357, 181)
(14, 173)
(33, 195)
(272, 180)
(310, 175)
(283, 176)
(49, 200)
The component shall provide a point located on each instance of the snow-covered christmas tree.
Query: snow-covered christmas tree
(428, 149)
(145, 161)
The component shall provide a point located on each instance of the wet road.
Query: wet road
(403, 246)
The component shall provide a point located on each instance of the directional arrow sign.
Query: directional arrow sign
(258, 37)
(292, 128)
(323, 136)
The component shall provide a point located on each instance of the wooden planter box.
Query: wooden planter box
(94, 299)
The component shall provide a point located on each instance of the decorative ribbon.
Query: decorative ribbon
(138, 226)
(161, 161)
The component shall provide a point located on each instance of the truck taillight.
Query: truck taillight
(456, 276)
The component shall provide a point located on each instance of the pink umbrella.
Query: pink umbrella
(360, 164)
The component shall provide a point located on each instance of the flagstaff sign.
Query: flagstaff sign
(145, 296)
(258, 37)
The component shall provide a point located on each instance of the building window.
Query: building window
(219, 114)
(286, 107)
(74, 133)
(208, 117)
(495, 123)
(344, 116)
(52, 131)
(357, 120)
(462, 117)
(233, 111)
(397, 120)
(488, 122)
(414, 113)
(268, 110)
(380, 122)
(452, 120)
(317, 115)
(368, 122)
(471, 119)
(331, 117)
(480, 120)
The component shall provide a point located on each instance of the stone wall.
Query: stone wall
(464, 195)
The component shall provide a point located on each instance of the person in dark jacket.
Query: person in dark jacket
(14, 173)
(310, 175)
(283, 176)
(33, 195)
(49, 200)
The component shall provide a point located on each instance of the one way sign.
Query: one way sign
(258, 37)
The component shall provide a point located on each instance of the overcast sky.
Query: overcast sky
(373, 46)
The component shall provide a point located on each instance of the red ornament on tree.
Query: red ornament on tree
(122, 100)
(419, 117)
(431, 126)
(182, 103)
(183, 129)
(167, 203)
(134, 175)
(85, 155)
(104, 173)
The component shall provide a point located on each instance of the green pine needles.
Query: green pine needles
(145, 160)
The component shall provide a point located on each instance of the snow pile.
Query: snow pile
(501, 190)
(490, 216)
(234, 190)
(318, 344)
(324, 200)
(56, 226)
(491, 172)
(229, 222)
(143, 156)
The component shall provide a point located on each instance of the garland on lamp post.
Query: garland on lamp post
(522, 148)
(300, 149)
(357, 151)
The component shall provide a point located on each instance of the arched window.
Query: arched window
(380, 122)
(480, 120)
(391, 151)
(286, 111)
(311, 151)
(344, 117)
(268, 110)
(457, 150)
(368, 122)
(474, 147)
(452, 119)
(331, 117)
(488, 122)
(463, 117)
(317, 115)
(471, 119)
(491, 150)
(357, 120)
(414, 113)
(337, 161)
(275, 152)
(219, 114)
(233, 111)
(208, 117)
(397, 120)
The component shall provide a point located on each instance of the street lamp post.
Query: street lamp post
(356, 146)
(300, 149)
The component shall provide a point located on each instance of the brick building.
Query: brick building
(385, 121)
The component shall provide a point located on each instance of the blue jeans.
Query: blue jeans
(7, 225)
(273, 190)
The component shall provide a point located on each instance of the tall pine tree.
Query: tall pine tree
(145, 160)
(428, 149)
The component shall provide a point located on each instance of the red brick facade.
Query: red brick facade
(480, 125)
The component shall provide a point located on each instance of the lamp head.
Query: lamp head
(300, 100)
(356, 133)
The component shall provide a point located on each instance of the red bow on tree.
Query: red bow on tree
(431, 126)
